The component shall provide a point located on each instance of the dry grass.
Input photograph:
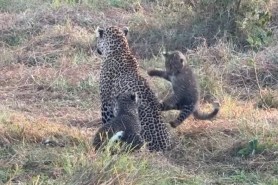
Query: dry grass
(49, 97)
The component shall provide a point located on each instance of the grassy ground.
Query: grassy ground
(49, 91)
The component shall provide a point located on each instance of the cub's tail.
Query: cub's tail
(205, 116)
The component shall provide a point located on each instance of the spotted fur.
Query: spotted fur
(119, 74)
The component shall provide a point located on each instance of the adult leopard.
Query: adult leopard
(120, 74)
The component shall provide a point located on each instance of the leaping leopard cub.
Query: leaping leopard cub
(185, 94)
(125, 126)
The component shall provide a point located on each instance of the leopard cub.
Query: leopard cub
(185, 95)
(125, 126)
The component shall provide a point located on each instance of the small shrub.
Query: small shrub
(268, 99)
(253, 22)
(13, 39)
(243, 21)
(4, 4)
(250, 148)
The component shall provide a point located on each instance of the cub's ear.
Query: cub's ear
(164, 53)
(181, 60)
(125, 30)
(99, 32)
(181, 56)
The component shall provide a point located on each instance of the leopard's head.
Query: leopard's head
(111, 40)
(174, 61)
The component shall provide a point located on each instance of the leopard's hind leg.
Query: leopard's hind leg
(184, 113)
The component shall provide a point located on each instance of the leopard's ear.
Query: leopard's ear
(125, 30)
(133, 97)
(99, 32)
(117, 96)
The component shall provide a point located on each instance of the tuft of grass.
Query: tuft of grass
(128, 169)
(269, 99)
(251, 148)
(21, 128)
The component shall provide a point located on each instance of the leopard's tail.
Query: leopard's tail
(205, 116)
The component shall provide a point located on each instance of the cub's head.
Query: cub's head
(127, 98)
(126, 102)
(174, 61)
(111, 40)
